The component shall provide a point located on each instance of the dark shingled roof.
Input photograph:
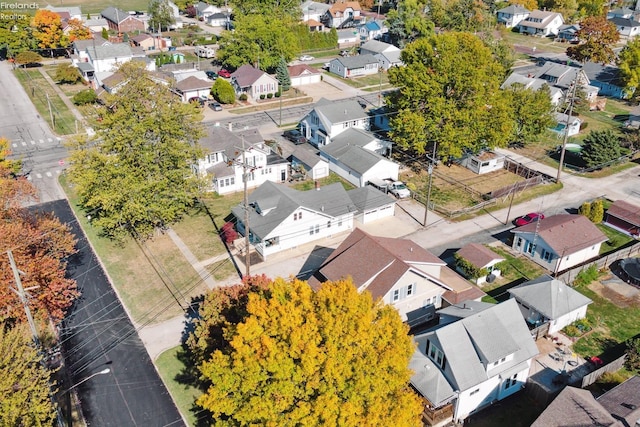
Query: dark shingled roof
(478, 255)
(625, 211)
(575, 407)
(623, 401)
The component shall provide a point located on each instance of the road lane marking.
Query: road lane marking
(38, 175)
(28, 177)
(33, 143)
(58, 138)
(15, 145)
(49, 174)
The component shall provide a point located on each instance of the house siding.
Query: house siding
(554, 263)
(425, 293)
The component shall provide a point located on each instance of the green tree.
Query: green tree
(464, 15)
(632, 362)
(629, 62)
(408, 22)
(24, 381)
(281, 8)
(87, 96)
(585, 209)
(449, 94)
(258, 40)
(160, 15)
(596, 213)
(136, 175)
(597, 36)
(27, 57)
(600, 147)
(223, 91)
(105, 34)
(282, 75)
(591, 7)
(67, 73)
(532, 112)
(16, 36)
(331, 357)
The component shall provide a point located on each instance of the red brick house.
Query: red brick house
(120, 21)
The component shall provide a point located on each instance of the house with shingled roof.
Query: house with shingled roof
(302, 74)
(482, 259)
(372, 30)
(559, 242)
(546, 299)
(387, 54)
(226, 152)
(308, 163)
(193, 87)
(253, 82)
(313, 10)
(624, 217)
(282, 218)
(541, 23)
(342, 15)
(399, 272)
(329, 119)
(354, 66)
(466, 365)
(121, 21)
(511, 15)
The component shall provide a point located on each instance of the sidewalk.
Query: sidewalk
(62, 96)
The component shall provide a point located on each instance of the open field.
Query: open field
(68, 89)
(91, 6)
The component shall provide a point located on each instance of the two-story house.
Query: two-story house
(372, 30)
(121, 21)
(282, 218)
(541, 23)
(398, 271)
(387, 54)
(511, 15)
(464, 366)
(231, 154)
(313, 10)
(342, 15)
(329, 119)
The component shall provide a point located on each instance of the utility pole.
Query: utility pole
(245, 178)
(572, 95)
(53, 125)
(23, 297)
(432, 161)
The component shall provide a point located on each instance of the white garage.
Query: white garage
(302, 74)
(372, 204)
(305, 160)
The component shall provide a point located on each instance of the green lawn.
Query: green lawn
(92, 6)
(333, 177)
(616, 239)
(373, 81)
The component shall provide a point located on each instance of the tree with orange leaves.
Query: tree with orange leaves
(78, 31)
(47, 29)
(40, 243)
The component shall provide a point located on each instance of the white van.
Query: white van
(205, 52)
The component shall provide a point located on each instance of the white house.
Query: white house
(193, 87)
(364, 139)
(313, 165)
(545, 299)
(348, 37)
(204, 10)
(328, 119)
(484, 162)
(219, 19)
(398, 271)
(74, 12)
(511, 15)
(482, 258)
(558, 75)
(464, 366)
(555, 93)
(566, 123)
(302, 74)
(175, 14)
(371, 204)
(622, 12)
(313, 10)
(627, 27)
(108, 57)
(559, 242)
(354, 66)
(253, 82)
(227, 152)
(356, 164)
(541, 23)
(282, 218)
(96, 25)
(372, 30)
(342, 15)
(387, 54)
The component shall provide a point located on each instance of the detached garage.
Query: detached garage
(372, 204)
(302, 75)
(311, 163)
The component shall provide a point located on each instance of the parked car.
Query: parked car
(215, 106)
(529, 218)
(224, 73)
(211, 75)
(306, 58)
(295, 136)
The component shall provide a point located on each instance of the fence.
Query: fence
(518, 186)
(524, 171)
(569, 275)
(540, 331)
(609, 367)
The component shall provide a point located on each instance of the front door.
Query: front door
(283, 175)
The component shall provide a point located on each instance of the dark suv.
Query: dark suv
(295, 136)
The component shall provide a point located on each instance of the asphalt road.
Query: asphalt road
(30, 137)
(98, 334)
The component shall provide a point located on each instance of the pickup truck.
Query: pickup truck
(397, 188)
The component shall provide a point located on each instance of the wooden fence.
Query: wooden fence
(569, 276)
(609, 367)
(540, 331)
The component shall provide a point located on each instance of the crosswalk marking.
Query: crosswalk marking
(24, 144)
(58, 172)
(41, 141)
(28, 177)
(15, 145)
(49, 174)
(33, 143)
(58, 138)
(38, 175)
(49, 139)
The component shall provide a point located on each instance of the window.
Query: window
(510, 381)
(221, 183)
(410, 289)
(295, 216)
(300, 215)
(476, 391)
(530, 248)
(340, 222)
(396, 295)
(317, 228)
(328, 224)
(311, 230)
(519, 242)
(546, 255)
(232, 180)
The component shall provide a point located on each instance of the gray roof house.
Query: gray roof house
(511, 15)
(528, 82)
(328, 119)
(372, 204)
(253, 82)
(482, 258)
(121, 21)
(627, 27)
(282, 218)
(623, 402)
(543, 23)
(309, 163)
(545, 299)
(387, 54)
(464, 366)
(354, 66)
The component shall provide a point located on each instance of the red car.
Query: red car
(529, 218)
(224, 73)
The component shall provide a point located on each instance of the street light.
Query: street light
(103, 372)
(62, 394)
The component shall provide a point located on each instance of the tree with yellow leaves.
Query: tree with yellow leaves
(47, 29)
(305, 358)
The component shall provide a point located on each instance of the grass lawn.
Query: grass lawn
(374, 81)
(170, 367)
(68, 89)
(38, 88)
(92, 6)
(333, 177)
(544, 44)
(616, 239)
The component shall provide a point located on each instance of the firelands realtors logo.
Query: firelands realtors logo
(12, 11)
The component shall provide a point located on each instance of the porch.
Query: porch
(436, 417)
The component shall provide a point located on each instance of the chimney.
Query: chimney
(317, 185)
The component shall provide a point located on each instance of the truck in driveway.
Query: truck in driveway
(388, 185)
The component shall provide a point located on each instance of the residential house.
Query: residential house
(310, 164)
(511, 15)
(253, 82)
(328, 119)
(618, 407)
(559, 242)
(541, 23)
(348, 38)
(226, 154)
(80, 57)
(364, 139)
(96, 25)
(193, 87)
(566, 123)
(371, 204)
(462, 310)
(607, 79)
(204, 10)
(546, 299)
(398, 271)
(70, 12)
(356, 164)
(342, 15)
(108, 57)
(482, 259)
(627, 27)
(354, 66)
(315, 25)
(282, 218)
(372, 30)
(569, 33)
(624, 217)
(145, 41)
(483, 162)
(313, 11)
(302, 74)
(621, 12)
(462, 367)
(219, 19)
(175, 14)
(380, 119)
(387, 54)
(120, 21)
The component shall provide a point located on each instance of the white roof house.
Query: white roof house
(541, 23)
(511, 15)
(463, 366)
(328, 119)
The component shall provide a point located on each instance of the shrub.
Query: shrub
(243, 97)
(586, 276)
(585, 209)
(87, 96)
(228, 233)
(278, 94)
(572, 331)
(633, 355)
(468, 269)
(269, 95)
(262, 96)
(27, 57)
(597, 212)
(67, 73)
(611, 379)
(223, 92)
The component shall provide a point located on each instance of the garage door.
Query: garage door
(375, 214)
(305, 80)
